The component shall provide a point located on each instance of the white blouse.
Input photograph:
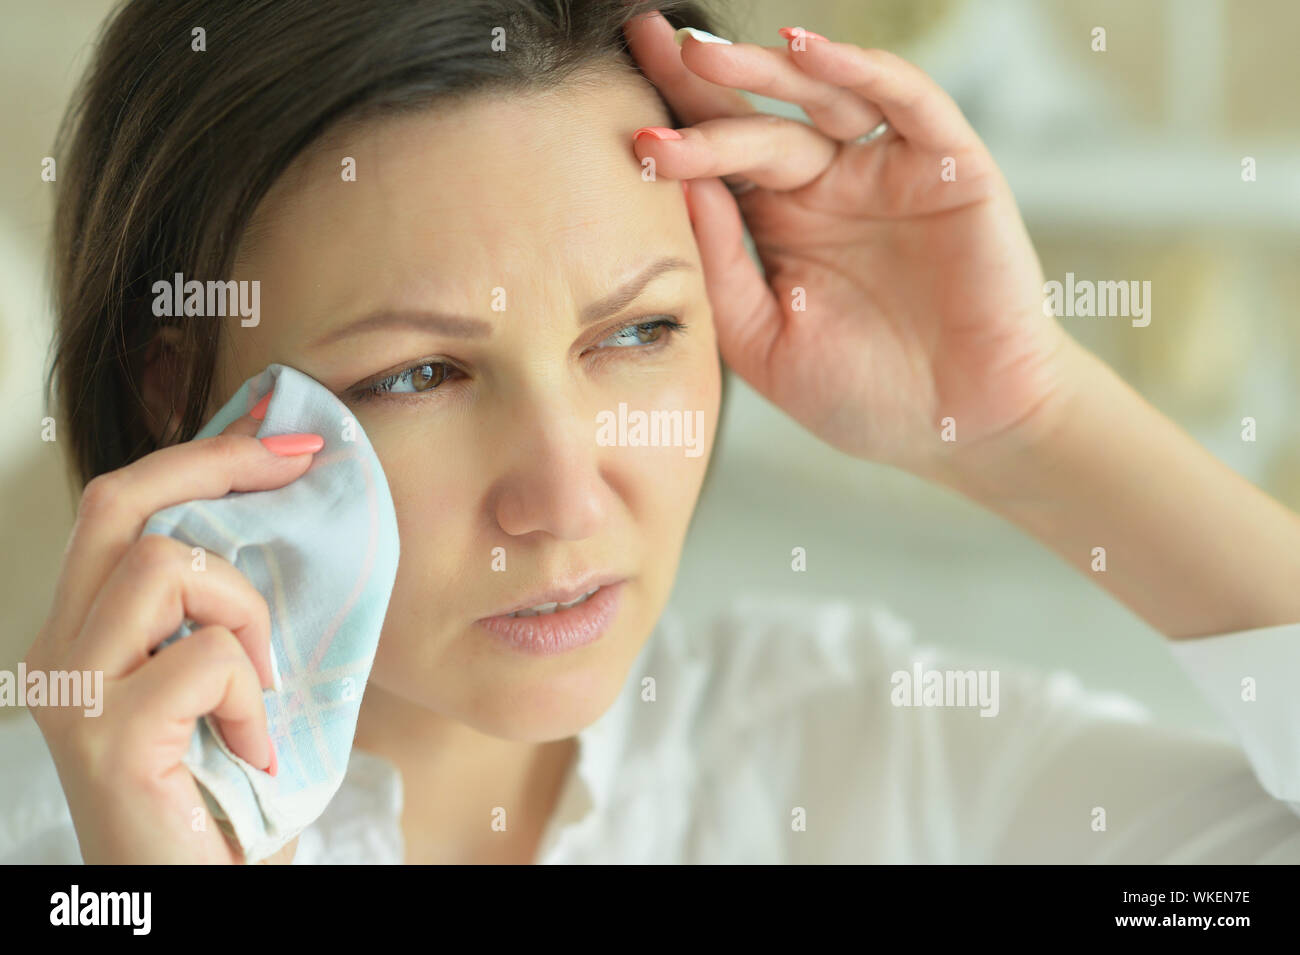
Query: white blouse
(780, 736)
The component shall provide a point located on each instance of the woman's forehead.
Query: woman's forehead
(495, 187)
(544, 157)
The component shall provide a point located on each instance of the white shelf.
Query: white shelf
(1155, 185)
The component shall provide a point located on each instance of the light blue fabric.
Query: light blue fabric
(323, 551)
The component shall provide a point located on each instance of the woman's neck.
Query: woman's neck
(458, 782)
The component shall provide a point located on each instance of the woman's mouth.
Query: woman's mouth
(556, 626)
(542, 609)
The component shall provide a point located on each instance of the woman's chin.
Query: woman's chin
(550, 707)
(490, 683)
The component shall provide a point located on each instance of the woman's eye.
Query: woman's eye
(426, 376)
(642, 333)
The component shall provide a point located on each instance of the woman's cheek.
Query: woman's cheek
(436, 499)
(661, 426)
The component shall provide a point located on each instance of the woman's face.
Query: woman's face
(523, 216)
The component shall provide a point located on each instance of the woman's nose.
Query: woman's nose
(554, 481)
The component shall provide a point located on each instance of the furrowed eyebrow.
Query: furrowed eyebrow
(462, 326)
(453, 326)
(615, 302)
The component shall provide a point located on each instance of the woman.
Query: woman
(466, 222)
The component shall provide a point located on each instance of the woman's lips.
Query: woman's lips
(559, 593)
(561, 630)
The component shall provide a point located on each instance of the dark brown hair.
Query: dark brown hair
(165, 152)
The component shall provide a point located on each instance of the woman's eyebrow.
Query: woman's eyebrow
(453, 326)
(463, 326)
(615, 302)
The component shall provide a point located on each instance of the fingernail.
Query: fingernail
(700, 35)
(791, 32)
(258, 411)
(291, 444)
(275, 763)
(658, 132)
(275, 671)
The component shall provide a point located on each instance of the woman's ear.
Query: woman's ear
(162, 384)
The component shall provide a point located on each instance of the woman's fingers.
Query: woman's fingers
(747, 315)
(115, 506)
(207, 672)
(845, 89)
(152, 590)
(692, 98)
(916, 106)
(774, 152)
(249, 424)
(771, 71)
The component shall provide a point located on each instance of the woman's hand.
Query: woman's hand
(119, 596)
(922, 300)
(921, 292)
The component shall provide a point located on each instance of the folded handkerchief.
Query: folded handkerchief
(323, 551)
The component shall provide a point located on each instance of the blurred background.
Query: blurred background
(1127, 164)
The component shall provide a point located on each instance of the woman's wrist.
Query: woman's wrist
(1128, 498)
(1022, 465)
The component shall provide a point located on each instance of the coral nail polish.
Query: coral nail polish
(791, 32)
(275, 763)
(658, 132)
(291, 444)
(258, 411)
